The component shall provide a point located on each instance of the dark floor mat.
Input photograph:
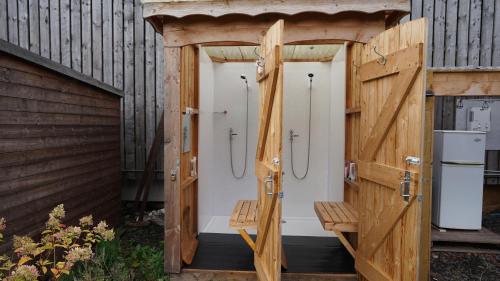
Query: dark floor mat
(305, 254)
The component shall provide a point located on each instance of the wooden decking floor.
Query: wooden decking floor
(305, 254)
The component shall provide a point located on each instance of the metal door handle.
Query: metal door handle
(404, 186)
(269, 181)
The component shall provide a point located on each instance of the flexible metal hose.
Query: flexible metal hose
(246, 144)
(308, 140)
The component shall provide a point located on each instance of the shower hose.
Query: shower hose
(308, 141)
(231, 134)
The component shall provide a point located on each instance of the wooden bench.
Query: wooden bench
(244, 217)
(338, 217)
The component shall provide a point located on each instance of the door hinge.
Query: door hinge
(404, 186)
(412, 160)
(281, 194)
(420, 198)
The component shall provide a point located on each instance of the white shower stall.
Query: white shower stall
(223, 106)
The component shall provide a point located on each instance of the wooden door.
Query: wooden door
(189, 102)
(267, 255)
(392, 75)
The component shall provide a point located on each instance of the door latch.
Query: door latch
(173, 175)
(412, 160)
(269, 184)
(404, 186)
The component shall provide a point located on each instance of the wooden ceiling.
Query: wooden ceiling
(291, 53)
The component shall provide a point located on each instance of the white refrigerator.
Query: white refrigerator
(457, 182)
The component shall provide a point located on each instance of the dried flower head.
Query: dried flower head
(55, 217)
(102, 230)
(58, 212)
(24, 273)
(78, 254)
(86, 221)
(73, 231)
(24, 245)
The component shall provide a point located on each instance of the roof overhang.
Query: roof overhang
(156, 10)
(217, 8)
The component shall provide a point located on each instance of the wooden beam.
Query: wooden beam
(218, 8)
(385, 175)
(379, 231)
(482, 82)
(247, 238)
(410, 57)
(317, 29)
(389, 112)
(265, 117)
(148, 174)
(346, 243)
(368, 270)
(172, 154)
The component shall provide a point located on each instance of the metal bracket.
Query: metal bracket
(269, 180)
(404, 186)
(173, 175)
(412, 160)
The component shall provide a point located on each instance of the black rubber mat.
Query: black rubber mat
(305, 254)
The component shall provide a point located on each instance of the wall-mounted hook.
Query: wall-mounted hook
(383, 59)
(259, 62)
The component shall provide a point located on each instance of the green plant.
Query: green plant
(57, 252)
(107, 264)
(148, 263)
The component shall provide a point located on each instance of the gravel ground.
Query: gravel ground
(451, 266)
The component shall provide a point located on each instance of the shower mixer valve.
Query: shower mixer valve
(293, 135)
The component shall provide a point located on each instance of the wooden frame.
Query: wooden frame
(237, 22)
(464, 82)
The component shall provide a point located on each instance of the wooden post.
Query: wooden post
(172, 155)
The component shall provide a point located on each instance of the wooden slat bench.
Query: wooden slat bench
(244, 217)
(338, 217)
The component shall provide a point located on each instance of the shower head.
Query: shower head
(244, 77)
(310, 75)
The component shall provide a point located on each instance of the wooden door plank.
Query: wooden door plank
(265, 118)
(265, 222)
(368, 270)
(383, 174)
(389, 112)
(172, 153)
(378, 233)
(410, 57)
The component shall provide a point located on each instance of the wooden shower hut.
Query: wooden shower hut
(383, 220)
(59, 143)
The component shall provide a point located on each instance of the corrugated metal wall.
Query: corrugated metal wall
(106, 39)
(109, 40)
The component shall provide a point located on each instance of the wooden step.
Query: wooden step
(244, 215)
(337, 216)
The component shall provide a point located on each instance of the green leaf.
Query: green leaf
(23, 260)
